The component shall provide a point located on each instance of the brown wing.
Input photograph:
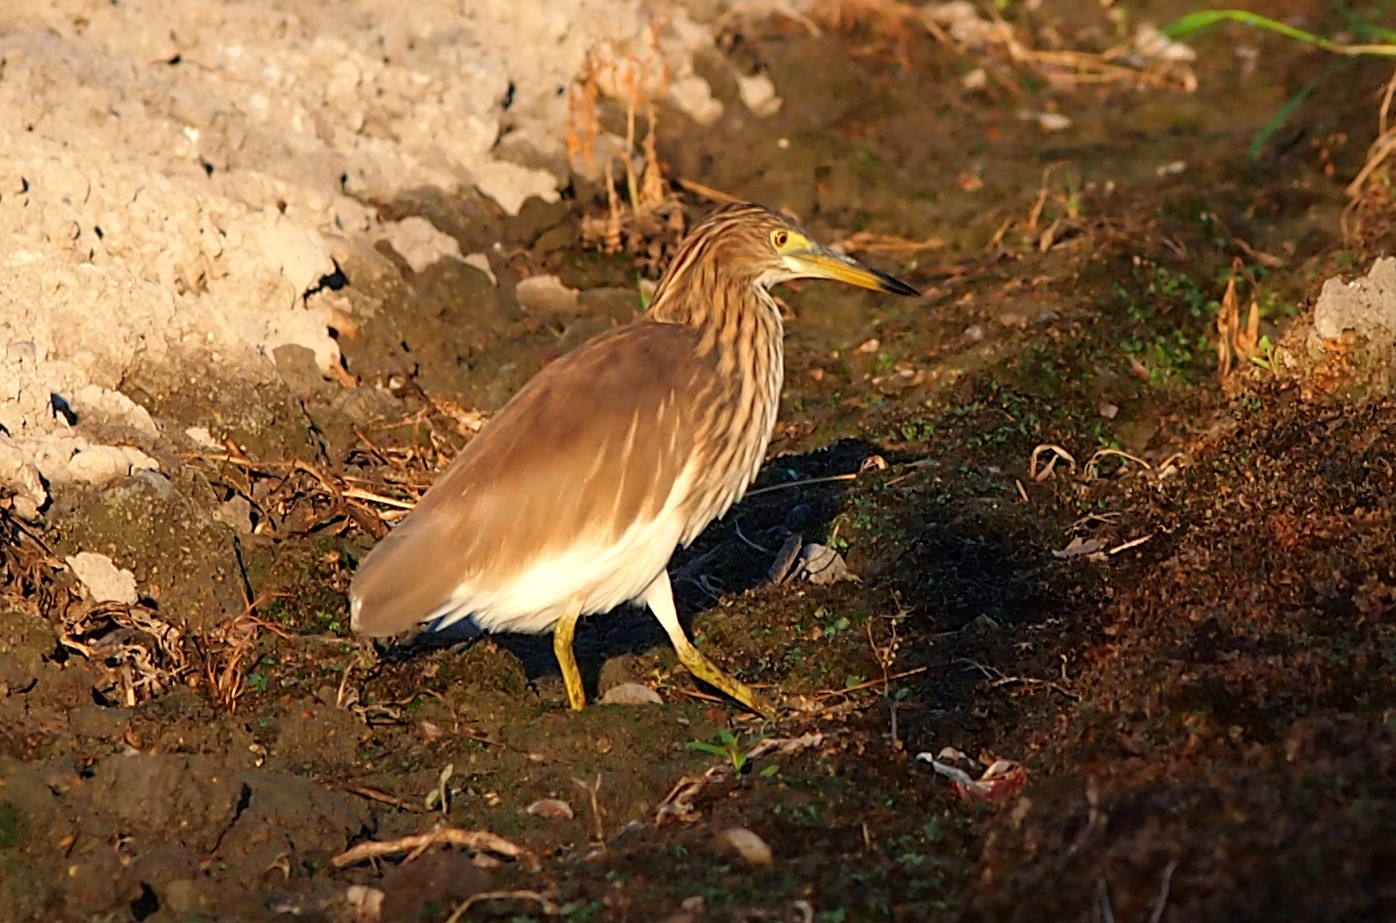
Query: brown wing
(591, 444)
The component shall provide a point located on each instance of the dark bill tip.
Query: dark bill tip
(894, 285)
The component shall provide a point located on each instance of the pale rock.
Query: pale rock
(630, 694)
(1366, 306)
(551, 808)
(98, 464)
(694, 97)
(299, 254)
(759, 94)
(202, 437)
(511, 185)
(746, 845)
(308, 327)
(821, 565)
(115, 406)
(419, 242)
(103, 580)
(20, 478)
(236, 512)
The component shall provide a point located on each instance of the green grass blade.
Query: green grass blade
(1202, 20)
(1273, 124)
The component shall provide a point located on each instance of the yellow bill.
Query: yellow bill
(818, 262)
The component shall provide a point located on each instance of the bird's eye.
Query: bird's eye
(780, 238)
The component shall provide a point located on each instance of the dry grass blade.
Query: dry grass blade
(708, 192)
(998, 678)
(1054, 453)
(868, 242)
(377, 794)
(1236, 343)
(648, 221)
(1093, 463)
(546, 906)
(880, 683)
(598, 816)
(1370, 189)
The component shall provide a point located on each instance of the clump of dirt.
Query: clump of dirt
(1233, 721)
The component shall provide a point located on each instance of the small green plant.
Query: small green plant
(918, 430)
(831, 623)
(729, 746)
(1265, 359)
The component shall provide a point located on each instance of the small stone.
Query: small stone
(551, 808)
(202, 437)
(98, 464)
(820, 565)
(759, 94)
(419, 242)
(694, 97)
(741, 842)
(630, 694)
(545, 295)
(103, 580)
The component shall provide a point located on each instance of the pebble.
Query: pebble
(630, 694)
(741, 842)
(551, 808)
(103, 580)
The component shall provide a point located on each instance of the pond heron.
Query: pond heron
(573, 498)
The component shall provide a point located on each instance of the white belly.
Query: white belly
(605, 574)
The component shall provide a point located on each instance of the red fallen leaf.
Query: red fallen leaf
(999, 782)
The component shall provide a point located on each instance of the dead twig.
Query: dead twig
(547, 906)
(870, 684)
(598, 817)
(998, 678)
(377, 794)
(1092, 463)
(1054, 454)
(806, 482)
(1132, 543)
(481, 841)
(1164, 887)
(708, 192)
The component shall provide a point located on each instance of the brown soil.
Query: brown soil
(1202, 699)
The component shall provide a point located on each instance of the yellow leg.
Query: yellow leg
(660, 598)
(563, 633)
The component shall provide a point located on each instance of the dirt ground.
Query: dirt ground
(1164, 593)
